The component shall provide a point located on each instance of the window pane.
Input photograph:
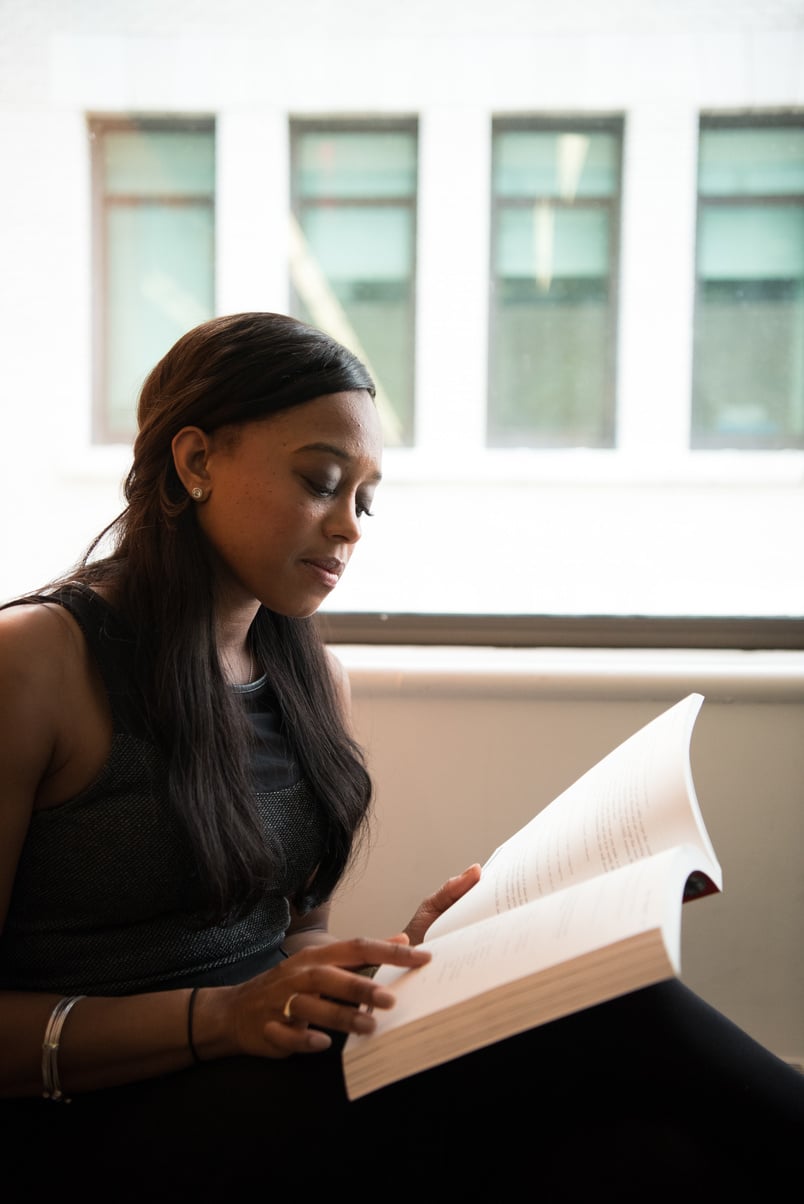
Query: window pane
(545, 163)
(160, 285)
(360, 242)
(751, 162)
(543, 241)
(752, 242)
(154, 162)
(552, 315)
(352, 271)
(349, 164)
(156, 252)
(749, 327)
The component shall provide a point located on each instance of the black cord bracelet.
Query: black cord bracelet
(190, 1042)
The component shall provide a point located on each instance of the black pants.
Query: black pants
(647, 1098)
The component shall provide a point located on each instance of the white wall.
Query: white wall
(467, 744)
(711, 531)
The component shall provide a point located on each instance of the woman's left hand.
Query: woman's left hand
(436, 904)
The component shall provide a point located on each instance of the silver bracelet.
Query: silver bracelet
(51, 1087)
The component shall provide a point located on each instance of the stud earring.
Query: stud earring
(196, 493)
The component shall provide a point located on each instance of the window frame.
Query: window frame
(615, 631)
(563, 631)
(103, 430)
(561, 123)
(736, 120)
(378, 123)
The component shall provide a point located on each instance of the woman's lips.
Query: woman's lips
(328, 569)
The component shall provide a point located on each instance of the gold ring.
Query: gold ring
(286, 1009)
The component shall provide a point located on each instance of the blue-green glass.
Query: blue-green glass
(553, 365)
(751, 242)
(362, 254)
(351, 164)
(542, 242)
(361, 242)
(749, 364)
(376, 322)
(748, 378)
(751, 162)
(557, 164)
(159, 162)
(552, 359)
(160, 283)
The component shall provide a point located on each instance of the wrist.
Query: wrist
(207, 1037)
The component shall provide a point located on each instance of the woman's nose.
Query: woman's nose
(343, 522)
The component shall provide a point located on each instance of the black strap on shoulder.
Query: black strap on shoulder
(111, 644)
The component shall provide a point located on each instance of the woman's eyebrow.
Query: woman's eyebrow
(332, 449)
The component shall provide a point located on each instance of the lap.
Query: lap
(595, 1105)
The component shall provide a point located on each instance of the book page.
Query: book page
(638, 800)
(544, 933)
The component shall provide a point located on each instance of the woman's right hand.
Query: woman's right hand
(282, 1011)
(440, 901)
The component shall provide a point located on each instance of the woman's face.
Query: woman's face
(284, 500)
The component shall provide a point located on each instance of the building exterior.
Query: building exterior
(569, 240)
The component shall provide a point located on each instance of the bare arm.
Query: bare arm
(54, 733)
(43, 678)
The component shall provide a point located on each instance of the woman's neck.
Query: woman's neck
(235, 655)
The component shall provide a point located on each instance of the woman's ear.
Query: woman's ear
(191, 447)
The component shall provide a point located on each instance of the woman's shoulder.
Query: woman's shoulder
(42, 667)
(62, 615)
(35, 622)
(39, 642)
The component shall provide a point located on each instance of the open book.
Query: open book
(579, 906)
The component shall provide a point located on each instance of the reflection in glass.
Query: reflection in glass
(353, 251)
(553, 307)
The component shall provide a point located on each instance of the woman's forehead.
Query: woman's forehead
(348, 416)
(345, 425)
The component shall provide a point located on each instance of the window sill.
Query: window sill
(547, 632)
(571, 674)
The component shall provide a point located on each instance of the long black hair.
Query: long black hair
(229, 370)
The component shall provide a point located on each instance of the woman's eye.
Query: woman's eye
(319, 488)
(329, 489)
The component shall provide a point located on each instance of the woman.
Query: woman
(180, 797)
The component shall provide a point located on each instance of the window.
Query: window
(749, 325)
(570, 250)
(353, 249)
(556, 187)
(154, 253)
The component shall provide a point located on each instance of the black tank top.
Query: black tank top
(106, 900)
